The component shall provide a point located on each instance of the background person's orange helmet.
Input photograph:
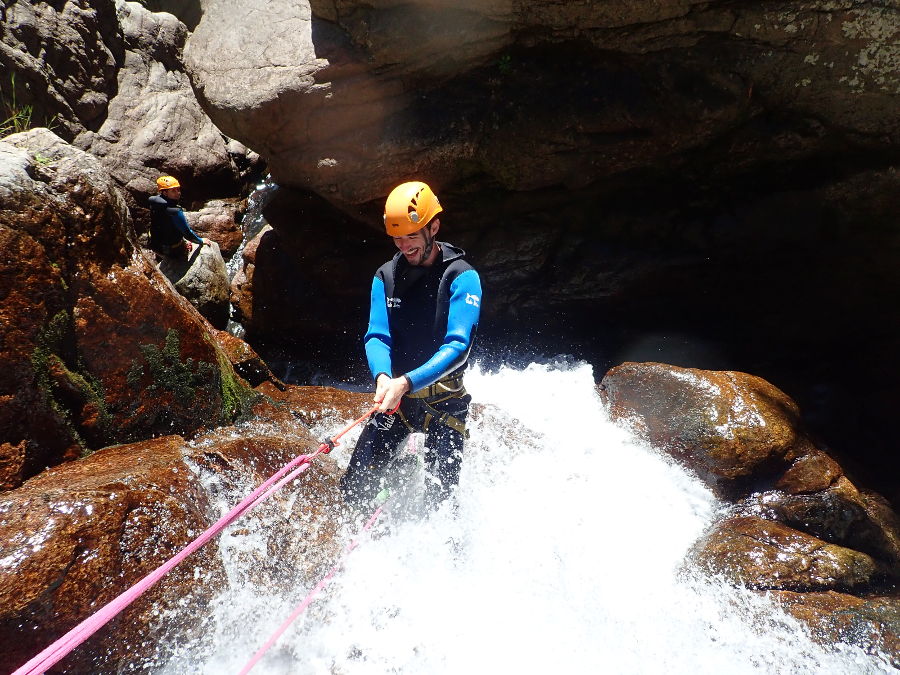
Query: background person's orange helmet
(167, 182)
(409, 208)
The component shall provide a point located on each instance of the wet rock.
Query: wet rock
(219, 220)
(811, 472)
(246, 362)
(310, 405)
(872, 622)
(95, 346)
(840, 514)
(242, 289)
(763, 554)
(78, 535)
(12, 463)
(202, 278)
(732, 428)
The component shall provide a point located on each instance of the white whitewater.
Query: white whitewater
(564, 556)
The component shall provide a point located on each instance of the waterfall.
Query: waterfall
(251, 224)
(563, 552)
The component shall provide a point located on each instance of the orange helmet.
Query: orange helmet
(409, 208)
(167, 182)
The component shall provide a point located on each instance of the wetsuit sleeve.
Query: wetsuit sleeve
(378, 335)
(465, 307)
(177, 216)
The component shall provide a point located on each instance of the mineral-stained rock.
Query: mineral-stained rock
(95, 346)
(77, 536)
(840, 514)
(810, 472)
(724, 425)
(871, 622)
(764, 554)
(310, 405)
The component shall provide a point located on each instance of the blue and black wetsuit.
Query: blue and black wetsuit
(422, 323)
(169, 227)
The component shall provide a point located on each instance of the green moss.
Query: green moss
(237, 397)
(168, 373)
(74, 387)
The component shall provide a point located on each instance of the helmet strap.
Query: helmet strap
(429, 242)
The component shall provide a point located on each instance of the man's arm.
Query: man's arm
(378, 336)
(181, 223)
(465, 308)
(388, 389)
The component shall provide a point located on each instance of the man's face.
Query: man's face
(172, 193)
(419, 247)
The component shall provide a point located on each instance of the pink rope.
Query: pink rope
(307, 601)
(64, 645)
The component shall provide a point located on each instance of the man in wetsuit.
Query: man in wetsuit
(424, 311)
(168, 227)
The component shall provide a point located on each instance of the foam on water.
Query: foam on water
(564, 554)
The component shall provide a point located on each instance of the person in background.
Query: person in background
(170, 234)
(425, 305)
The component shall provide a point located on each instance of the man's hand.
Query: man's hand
(389, 391)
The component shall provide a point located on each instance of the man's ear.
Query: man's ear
(435, 225)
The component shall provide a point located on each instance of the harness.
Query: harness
(442, 390)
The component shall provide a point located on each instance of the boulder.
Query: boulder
(732, 428)
(154, 124)
(78, 535)
(797, 522)
(872, 622)
(531, 95)
(64, 58)
(95, 346)
(108, 77)
(242, 290)
(219, 220)
(840, 514)
(767, 555)
(202, 278)
(309, 405)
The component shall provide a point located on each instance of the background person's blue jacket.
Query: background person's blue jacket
(168, 226)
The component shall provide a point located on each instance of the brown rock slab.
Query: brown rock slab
(872, 622)
(95, 346)
(724, 425)
(78, 535)
(768, 555)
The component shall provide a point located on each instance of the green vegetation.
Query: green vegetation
(17, 116)
(182, 378)
(168, 372)
(237, 397)
(67, 389)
